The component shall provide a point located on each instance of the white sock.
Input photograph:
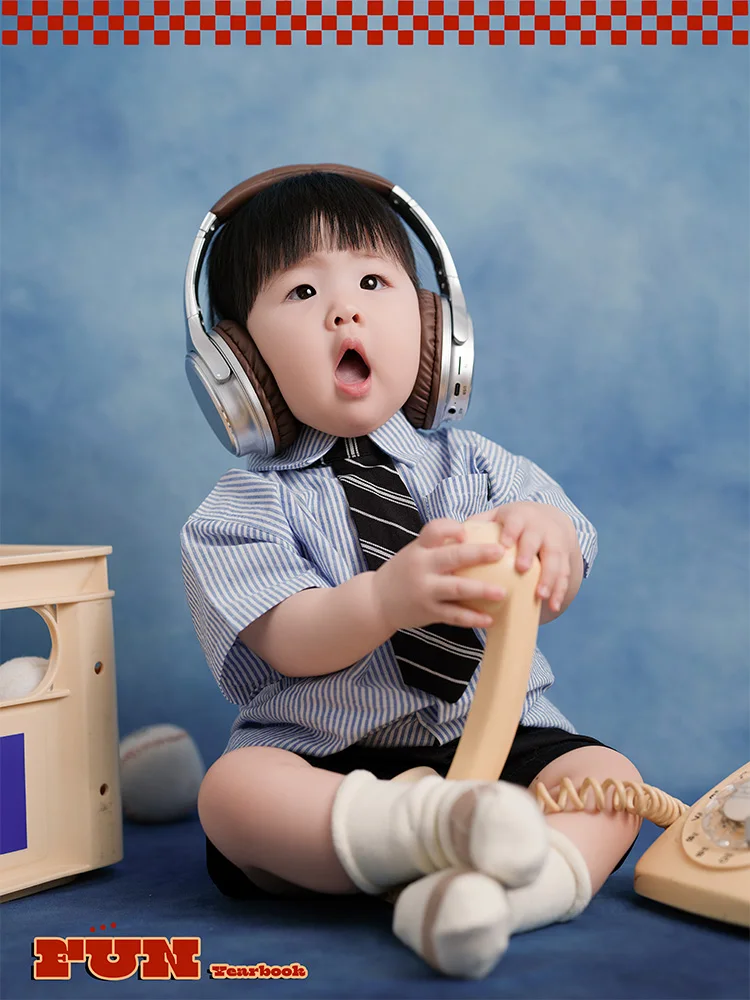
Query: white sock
(456, 920)
(459, 922)
(560, 892)
(386, 833)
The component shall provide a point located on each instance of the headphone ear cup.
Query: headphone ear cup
(282, 422)
(421, 405)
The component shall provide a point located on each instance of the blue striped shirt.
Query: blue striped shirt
(281, 526)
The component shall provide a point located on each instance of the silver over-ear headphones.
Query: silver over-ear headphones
(237, 392)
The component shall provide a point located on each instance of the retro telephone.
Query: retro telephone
(701, 863)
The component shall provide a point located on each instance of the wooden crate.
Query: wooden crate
(60, 807)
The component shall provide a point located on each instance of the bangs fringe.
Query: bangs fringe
(321, 231)
(287, 222)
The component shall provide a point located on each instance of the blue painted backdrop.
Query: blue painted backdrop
(596, 204)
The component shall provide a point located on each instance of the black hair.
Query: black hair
(281, 225)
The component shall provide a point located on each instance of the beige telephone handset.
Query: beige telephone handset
(701, 863)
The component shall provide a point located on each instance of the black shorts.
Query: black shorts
(532, 749)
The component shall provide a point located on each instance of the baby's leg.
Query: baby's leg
(267, 808)
(603, 836)
(586, 844)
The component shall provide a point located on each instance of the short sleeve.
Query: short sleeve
(514, 478)
(239, 560)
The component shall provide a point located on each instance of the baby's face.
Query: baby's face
(340, 332)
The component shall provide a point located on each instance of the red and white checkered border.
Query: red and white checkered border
(342, 22)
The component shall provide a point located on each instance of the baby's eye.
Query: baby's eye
(369, 282)
(302, 292)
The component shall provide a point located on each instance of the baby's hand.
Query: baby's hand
(416, 586)
(543, 530)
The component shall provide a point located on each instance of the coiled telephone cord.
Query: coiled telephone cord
(628, 796)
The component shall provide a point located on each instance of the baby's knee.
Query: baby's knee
(597, 762)
(626, 769)
(604, 761)
(213, 790)
(235, 774)
(609, 772)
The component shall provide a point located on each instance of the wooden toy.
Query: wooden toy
(60, 808)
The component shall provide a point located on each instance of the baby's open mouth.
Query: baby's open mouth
(352, 368)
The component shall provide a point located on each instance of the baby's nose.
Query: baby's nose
(346, 315)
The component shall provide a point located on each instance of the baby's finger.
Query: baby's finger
(511, 527)
(529, 545)
(461, 588)
(453, 557)
(457, 614)
(552, 564)
(440, 531)
(561, 589)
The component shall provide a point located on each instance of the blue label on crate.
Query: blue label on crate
(12, 795)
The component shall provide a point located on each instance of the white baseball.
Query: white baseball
(161, 770)
(19, 676)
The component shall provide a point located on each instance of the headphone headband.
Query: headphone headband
(205, 356)
(240, 193)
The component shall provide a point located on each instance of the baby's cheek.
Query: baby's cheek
(300, 385)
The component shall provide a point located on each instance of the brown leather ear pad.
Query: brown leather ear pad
(284, 425)
(420, 407)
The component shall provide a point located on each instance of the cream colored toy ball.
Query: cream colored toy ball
(161, 770)
(19, 676)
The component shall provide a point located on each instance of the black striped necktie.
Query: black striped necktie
(440, 659)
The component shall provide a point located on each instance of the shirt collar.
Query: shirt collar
(396, 437)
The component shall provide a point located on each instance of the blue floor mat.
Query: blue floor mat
(622, 947)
